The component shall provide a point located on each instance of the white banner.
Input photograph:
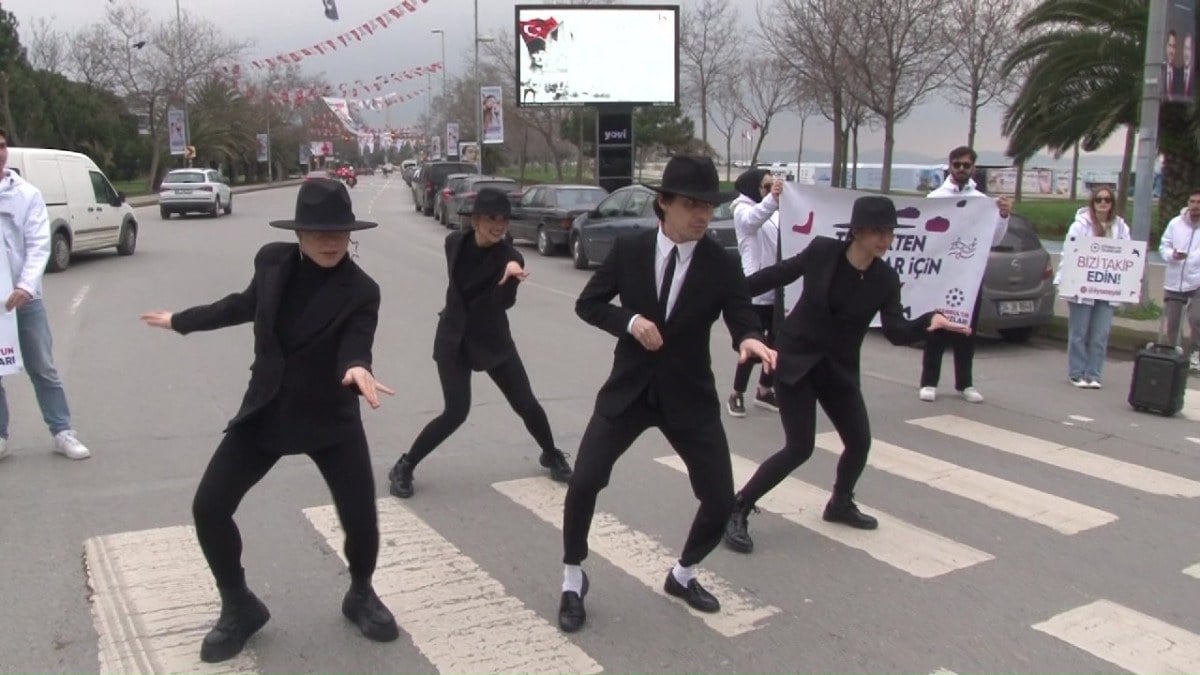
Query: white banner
(491, 99)
(452, 139)
(940, 260)
(1099, 268)
(10, 346)
(264, 147)
(176, 137)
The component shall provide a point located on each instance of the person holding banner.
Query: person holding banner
(1090, 320)
(957, 185)
(845, 285)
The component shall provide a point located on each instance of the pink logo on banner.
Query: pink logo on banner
(807, 227)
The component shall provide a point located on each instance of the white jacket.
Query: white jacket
(951, 189)
(757, 227)
(26, 229)
(1083, 227)
(1181, 235)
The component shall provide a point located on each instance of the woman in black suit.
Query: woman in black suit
(473, 335)
(845, 284)
(314, 312)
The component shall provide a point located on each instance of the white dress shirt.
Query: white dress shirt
(662, 254)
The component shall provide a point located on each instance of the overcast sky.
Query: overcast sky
(284, 25)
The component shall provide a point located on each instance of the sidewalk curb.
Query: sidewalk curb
(151, 200)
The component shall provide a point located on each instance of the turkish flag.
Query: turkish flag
(330, 9)
(538, 29)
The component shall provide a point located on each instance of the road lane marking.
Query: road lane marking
(1081, 418)
(1080, 461)
(641, 556)
(1191, 405)
(1126, 638)
(1193, 571)
(77, 301)
(904, 546)
(460, 618)
(1056, 513)
(153, 599)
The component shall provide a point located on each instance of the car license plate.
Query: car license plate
(183, 192)
(1010, 307)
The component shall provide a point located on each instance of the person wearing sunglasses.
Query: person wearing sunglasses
(1090, 320)
(959, 184)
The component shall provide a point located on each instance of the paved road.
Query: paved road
(1048, 530)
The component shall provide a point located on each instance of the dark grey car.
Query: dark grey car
(1018, 285)
(545, 213)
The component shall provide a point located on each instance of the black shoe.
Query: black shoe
(736, 405)
(556, 461)
(366, 610)
(693, 594)
(401, 478)
(737, 530)
(842, 509)
(571, 614)
(767, 401)
(242, 614)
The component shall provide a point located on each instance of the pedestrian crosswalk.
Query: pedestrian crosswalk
(153, 599)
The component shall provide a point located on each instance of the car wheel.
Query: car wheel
(127, 243)
(163, 213)
(578, 257)
(1017, 335)
(60, 252)
(229, 206)
(544, 245)
(216, 208)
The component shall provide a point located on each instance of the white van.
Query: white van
(86, 213)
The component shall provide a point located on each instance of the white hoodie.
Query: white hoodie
(1084, 227)
(757, 227)
(1181, 235)
(951, 189)
(25, 226)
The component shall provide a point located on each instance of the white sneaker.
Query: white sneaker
(927, 394)
(3, 448)
(972, 395)
(1194, 360)
(1095, 384)
(1081, 383)
(66, 444)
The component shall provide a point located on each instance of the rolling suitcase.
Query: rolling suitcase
(1160, 373)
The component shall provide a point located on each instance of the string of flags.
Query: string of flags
(358, 89)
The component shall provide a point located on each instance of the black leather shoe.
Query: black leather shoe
(556, 461)
(366, 610)
(842, 509)
(401, 478)
(737, 530)
(242, 614)
(693, 594)
(571, 614)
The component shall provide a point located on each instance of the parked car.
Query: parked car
(433, 179)
(440, 212)
(626, 211)
(545, 213)
(407, 168)
(85, 212)
(1018, 285)
(194, 190)
(464, 198)
(414, 184)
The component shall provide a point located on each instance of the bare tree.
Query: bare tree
(897, 56)
(726, 113)
(769, 91)
(708, 52)
(47, 47)
(87, 59)
(983, 38)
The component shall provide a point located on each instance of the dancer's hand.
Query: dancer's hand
(755, 349)
(940, 322)
(158, 318)
(645, 332)
(513, 270)
(367, 385)
(17, 299)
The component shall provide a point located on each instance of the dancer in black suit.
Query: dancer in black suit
(314, 313)
(473, 334)
(845, 284)
(673, 284)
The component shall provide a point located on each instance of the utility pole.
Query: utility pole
(442, 33)
(1147, 147)
(478, 107)
(187, 123)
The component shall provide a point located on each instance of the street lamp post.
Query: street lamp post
(187, 124)
(442, 33)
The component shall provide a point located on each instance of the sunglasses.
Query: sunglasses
(961, 165)
(1103, 200)
(767, 186)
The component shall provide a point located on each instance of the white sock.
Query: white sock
(572, 578)
(683, 575)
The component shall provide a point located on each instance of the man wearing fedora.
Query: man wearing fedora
(314, 313)
(673, 283)
(846, 283)
(473, 335)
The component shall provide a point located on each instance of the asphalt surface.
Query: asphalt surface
(1076, 563)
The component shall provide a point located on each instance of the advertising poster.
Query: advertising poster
(176, 135)
(1179, 62)
(491, 101)
(452, 139)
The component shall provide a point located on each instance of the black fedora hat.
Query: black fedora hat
(693, 177)
(323, 205)
(873, 211)
(489, 202)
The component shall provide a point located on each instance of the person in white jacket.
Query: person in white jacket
(1180, 249)
(26, 229)
(1090, 321)
(958, 185)
(756, 222)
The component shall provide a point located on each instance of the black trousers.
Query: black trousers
(703, 448)
(840, 397)
(513, 382)
(240, 462)
(741, 377)
(964, 353)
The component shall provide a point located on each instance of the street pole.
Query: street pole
(442, 33)
(187, 124)
(270, 173)
(478, 107)
(1147, 147)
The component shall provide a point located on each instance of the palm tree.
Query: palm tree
(222, 124)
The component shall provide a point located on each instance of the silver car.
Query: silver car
(194, 190)
(1018, 285)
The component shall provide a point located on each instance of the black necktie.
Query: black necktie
(668, 277)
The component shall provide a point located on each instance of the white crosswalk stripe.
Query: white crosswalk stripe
(1191, 405)
(640, 555)
(902, 545)
(1080, 461)
(1056, 513)
(1126, 638)
(460, 618)
(1193, 570)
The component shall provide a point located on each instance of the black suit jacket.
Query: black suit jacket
(812, 332)
(478, 329)
(681, 370)
(310, 406)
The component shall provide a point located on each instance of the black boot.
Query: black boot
(737, 530)
(556, 461)
(367, 611)
(401, 478)
(242, 614)
(842, 509)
